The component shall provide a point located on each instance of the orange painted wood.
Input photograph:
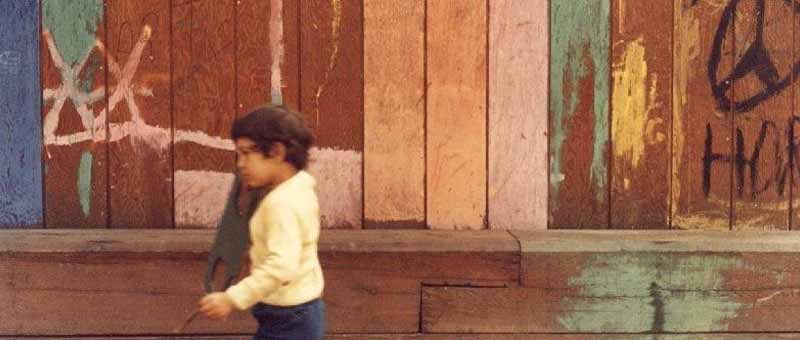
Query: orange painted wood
(761, 172)
(140, 120)
(518, 54)
(641, 104)
(701, 138)
(204, 106)
(579, 114)
(331, 97)
(394, 113)
(456, 114)
(73, 81)
(257, 53)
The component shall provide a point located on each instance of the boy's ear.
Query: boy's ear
(278, 150)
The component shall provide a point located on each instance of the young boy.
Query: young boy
(284, 287)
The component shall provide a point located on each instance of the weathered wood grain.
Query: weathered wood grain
(332, 98)
(579, 114)
(139, 100)
(267, 61)
(204, 106)
(20, 116)
(702, 144)
(74, 126)
(456, 114)
(394, 114)
(517, 145)
(653, 310)
(641, 116)
(761, 181)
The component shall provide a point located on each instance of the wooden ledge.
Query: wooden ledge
(405, 241)
(678, 241)
(200, 241)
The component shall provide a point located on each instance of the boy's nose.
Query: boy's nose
(239, 163)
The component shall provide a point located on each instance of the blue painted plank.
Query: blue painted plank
(20, 115)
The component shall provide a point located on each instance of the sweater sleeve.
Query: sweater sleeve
(281, 263)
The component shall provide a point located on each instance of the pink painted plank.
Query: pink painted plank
(394, 113)
(518, 57)
(456, 117)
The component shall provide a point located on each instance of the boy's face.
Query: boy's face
(256, 168)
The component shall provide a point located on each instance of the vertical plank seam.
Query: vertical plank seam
(609, 118)
(41, 108)
(425, 113)
(671, 111)
(172, 109)
(486, 222)
(236, 100)
(790, 129)
(732, 132)
(299, 22)
(108, 119)
(363, 116)
(548, 204)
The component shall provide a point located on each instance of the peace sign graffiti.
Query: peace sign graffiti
(756, 59)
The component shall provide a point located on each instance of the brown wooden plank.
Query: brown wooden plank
(579, 117)
(654, 310)
(518, 54)
(702, 129)
(332, 94)
(267, 36)
(456, 114)
(204, 108)
(761, 172)
(641, 107)
(139, 101)
(74, 129)
(152, 295)
(394, 114)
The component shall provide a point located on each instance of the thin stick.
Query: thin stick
(186, 322)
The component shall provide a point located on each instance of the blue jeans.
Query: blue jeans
(302, 322)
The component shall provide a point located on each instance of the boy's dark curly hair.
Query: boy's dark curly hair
(271, 124)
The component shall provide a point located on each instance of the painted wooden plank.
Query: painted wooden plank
(332, 100)
(267, 61)
(139, 116)
(74, 123)
(579, 117)
(653, 310)
(456, 114)
(204, 109)
(762, 113)
(701, 128)
(641, 104)
(518, 54)
(394, 114)
(20, 114)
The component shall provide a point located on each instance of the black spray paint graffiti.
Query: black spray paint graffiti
(747, 166)
(756, 59)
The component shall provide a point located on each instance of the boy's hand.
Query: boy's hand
(216, 306)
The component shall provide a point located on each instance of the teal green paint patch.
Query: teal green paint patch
(73, 25)
(85, 182)
(580, 33)
(647, 292)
